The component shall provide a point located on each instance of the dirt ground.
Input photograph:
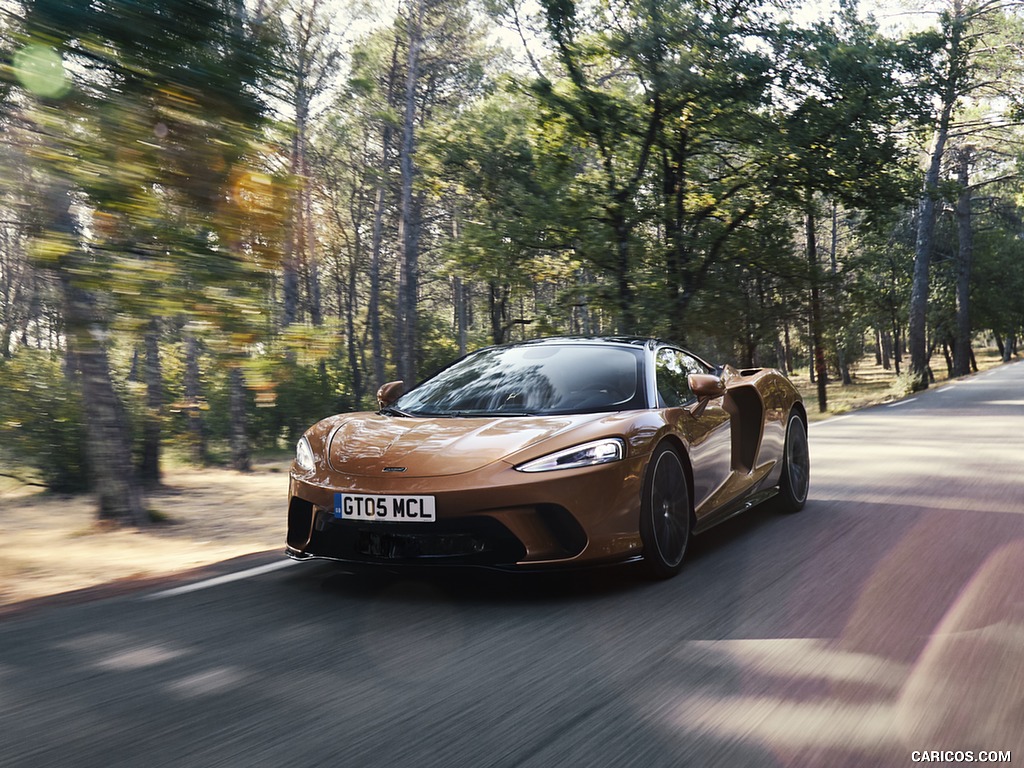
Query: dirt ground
(51, 544)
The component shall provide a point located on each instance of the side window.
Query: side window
(671, 373)
(671, 369)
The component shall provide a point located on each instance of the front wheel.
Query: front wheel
(796, 467)
(665, 514)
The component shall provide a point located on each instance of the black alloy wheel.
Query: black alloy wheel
(796, 467)
(665, 516)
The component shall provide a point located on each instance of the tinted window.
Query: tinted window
(529, 380)
(672, 366)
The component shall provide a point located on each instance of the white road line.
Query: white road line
(218, 580)
(901, 402)
(831, 420)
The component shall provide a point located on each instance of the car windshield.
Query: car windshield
(532, 380)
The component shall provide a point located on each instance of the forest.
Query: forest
(221, 220)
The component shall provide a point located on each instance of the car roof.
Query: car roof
(632, 341)
(646, 342)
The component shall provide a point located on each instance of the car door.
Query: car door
(708, 434)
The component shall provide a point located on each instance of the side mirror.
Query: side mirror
(390, 392)
(706, 387)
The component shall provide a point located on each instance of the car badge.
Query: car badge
(394, 469)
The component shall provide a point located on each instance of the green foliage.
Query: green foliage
(439, 349)
(41, 423)
(998, 281)
(509, 177)
(302, 396)
(841, 107)
(283, 398)
(156, 135)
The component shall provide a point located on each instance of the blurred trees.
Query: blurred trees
(220, 221)
(138, 129)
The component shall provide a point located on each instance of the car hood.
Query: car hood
(371, 444)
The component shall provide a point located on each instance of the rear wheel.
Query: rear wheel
(665, 514)
(796, 467)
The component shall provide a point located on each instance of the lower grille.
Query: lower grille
(469, 540)
(397, 547)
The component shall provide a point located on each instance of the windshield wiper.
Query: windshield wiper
(390, 410)
(486, 414)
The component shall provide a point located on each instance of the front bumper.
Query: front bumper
(495, 516)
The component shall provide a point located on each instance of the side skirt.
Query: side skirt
(727, 512)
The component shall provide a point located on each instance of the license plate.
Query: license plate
(384, 509)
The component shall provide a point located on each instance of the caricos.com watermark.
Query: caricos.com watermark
(960, 756)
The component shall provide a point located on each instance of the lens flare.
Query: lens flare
(40, 70)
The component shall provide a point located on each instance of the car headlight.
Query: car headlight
(304, 455)
(586, 455)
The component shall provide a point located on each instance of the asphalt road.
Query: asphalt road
(884, 619)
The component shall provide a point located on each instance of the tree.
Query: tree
(619, 126)
(514, 228)
(842, 102)
(139, 151)
(409, 223)
(969, 64)
(310, 56)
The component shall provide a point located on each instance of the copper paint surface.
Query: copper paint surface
(733, 450)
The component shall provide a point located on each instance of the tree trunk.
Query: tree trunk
(109, 451)
(240, 453)
(788, 347)
(497, 302)
(133, 369)
(313, 292)
(926, 209)
(948, 358)
(965, 255)
(289, 259)
(581, 314)
(290, 286)
(112, 472)
(461, 316)
(7, 293)
(408, 228)
(817, 342)
(358, 388)
(373, 302)
(897, 350)
(295, 235)
(308, 256)
(627, 317)
(149, 463)
(842, 363)
(377, 241)
(193, 394)
(886, 344)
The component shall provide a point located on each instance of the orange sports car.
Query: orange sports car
(553, 452)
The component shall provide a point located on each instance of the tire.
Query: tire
(665, 515)
(796, 467)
